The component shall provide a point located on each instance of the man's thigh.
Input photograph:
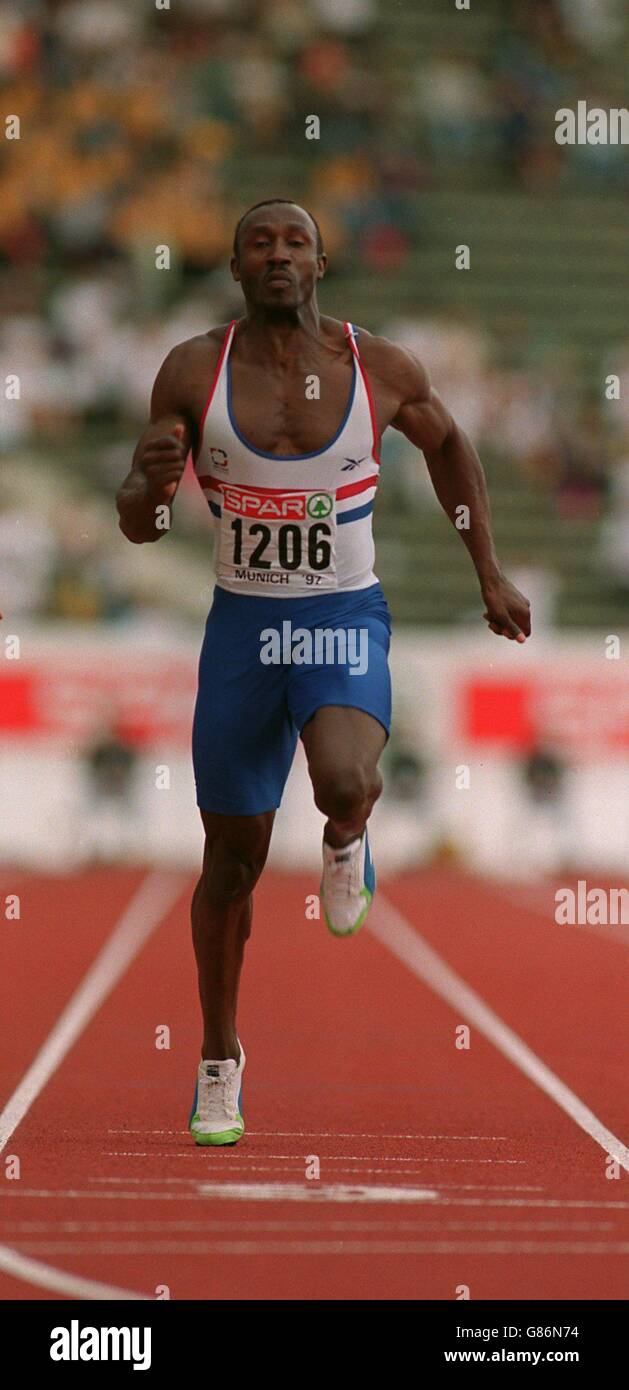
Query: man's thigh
(243, 737)
(343, 711)
(338, 737)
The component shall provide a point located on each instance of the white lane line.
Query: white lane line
(321, 1134)
(336, 1167)
(336, 1159)
(191, 1182)
(335, 1247)
(44, 1276)
(145, 1193)
(153, 899)
(197, 1227)
(340, 1134)
(312, 1192)
(396, 933)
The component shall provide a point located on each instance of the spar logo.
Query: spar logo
(320, 505)
(273, 505)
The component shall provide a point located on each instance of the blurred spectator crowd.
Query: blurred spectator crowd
(136, 122)
(575, 445)
(134, 117)
(57, 562)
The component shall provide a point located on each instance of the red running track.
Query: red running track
(439, 1167)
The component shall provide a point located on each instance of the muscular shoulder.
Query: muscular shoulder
(394, 367)
(185, 372)
(203, 350)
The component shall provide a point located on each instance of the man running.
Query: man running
(284, 411)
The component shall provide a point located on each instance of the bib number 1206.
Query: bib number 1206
(289, 540)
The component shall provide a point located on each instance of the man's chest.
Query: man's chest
(293, 410)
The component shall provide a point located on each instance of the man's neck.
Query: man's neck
(280, 336)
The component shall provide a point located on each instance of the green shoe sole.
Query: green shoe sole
(225, 1136)
(364, 892)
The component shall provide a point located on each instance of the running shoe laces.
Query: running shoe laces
(343, 872)
(217, 1098)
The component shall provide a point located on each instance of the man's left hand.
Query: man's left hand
(508, 612)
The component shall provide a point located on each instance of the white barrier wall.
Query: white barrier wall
(473, 706)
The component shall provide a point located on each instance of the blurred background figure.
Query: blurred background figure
(543, 828)
(111, 819)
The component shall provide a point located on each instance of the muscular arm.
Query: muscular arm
(160, 456)
(457, 477)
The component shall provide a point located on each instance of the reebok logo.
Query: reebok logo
(76, 1343)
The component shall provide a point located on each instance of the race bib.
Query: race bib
(278, 538)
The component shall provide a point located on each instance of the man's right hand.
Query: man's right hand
(162, 461)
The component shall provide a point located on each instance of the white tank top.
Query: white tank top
(290, 525)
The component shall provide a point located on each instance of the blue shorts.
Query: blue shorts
(265, 668)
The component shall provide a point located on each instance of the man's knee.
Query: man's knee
(234, 859)
(342, 793)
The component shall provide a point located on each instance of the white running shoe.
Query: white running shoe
(347, 886)
(216, 1117)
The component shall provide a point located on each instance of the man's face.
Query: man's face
(277, 265)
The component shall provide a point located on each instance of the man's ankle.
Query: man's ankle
(220, 1052)
(337, 838)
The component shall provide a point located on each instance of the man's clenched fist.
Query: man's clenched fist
(162, 462)
(508, 612)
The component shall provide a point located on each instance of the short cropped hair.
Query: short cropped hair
(270, 202)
